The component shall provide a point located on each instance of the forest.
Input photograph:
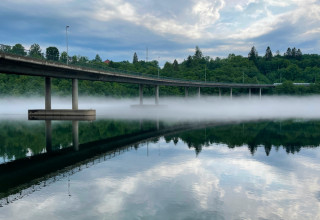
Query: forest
(291, 67)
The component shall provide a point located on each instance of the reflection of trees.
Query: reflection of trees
(17, 138)
(292, 136)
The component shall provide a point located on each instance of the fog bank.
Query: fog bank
(178, 109)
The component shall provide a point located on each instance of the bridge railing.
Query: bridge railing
(100, 66)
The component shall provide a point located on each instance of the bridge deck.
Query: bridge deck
(14, 64)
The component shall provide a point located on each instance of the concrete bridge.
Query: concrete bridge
(21, 65)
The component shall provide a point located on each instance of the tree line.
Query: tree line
(292, 66)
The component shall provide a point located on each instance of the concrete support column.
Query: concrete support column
(249, 93)
(75, 135)
(260, 93)
(186, 89)
(199, 93)
(141, 93)
(48, 136)
(74, 94)
(48, 93)
(157, 94)
(220, 93)
(231, 93)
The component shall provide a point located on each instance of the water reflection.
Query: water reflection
(203, 171)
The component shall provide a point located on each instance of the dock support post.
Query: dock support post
(74, 94)
(186, 89)
(249, 93)
(260, 93)
(75, 135)
(198, 92)
(141, 93)
(48, 93)
(230, 93)
(48, 136)
(157, 94)
(219, 93)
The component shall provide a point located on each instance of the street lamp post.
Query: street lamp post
(205, 73)
(67, 44)
(242, 77)
(158, 68)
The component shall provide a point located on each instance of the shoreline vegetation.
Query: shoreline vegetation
(291, 67)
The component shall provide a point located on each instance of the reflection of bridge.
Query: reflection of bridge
(13, 64)
(21, 177)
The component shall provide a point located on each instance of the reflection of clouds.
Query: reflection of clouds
(203, 186)
(222, 182)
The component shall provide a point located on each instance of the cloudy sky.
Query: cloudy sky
(116, 29)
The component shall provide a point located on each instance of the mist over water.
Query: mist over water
(177, 109)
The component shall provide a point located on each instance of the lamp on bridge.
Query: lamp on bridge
(67, 44)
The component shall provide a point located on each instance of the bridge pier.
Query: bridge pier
(186, 89)
(60, 113)
(199, 93)
(141, 93)
(260, 93)
(219, 93)
(157, 94)
(249, 93)
(75, 135)
(74, 94)
(230, 93)
(47, 93)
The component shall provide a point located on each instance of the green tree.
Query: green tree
(74, 59)
(135, 58)
(198, 53)
(83, 59)
(268, 55)
(294, 52)
(299, 54)
(52, 53)
(35, 51)
(253, 54)
(175, 65)
(18, 49)
(5, 48)
(189, 61)
(64, 57)
(98, 59)
(288, 54)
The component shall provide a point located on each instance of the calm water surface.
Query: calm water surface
(252, 170)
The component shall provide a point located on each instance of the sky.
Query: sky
(115, 29)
